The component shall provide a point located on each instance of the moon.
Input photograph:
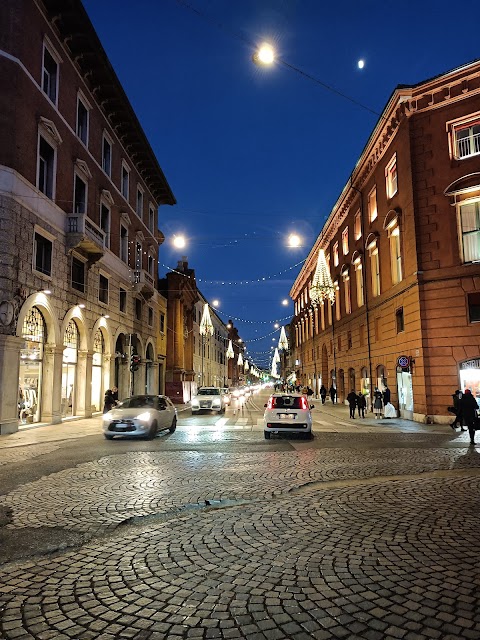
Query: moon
(361, 64)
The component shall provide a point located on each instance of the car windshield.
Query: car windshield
(287, 402)
(208, 392)
(138, 402)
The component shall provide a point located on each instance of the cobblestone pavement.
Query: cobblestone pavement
(378, 541)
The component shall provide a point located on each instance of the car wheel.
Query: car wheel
(152, 431)
(174, 425)
(267, 435)
(108, 436)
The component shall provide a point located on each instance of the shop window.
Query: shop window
(469, 220)
(391, 177)
(474, 306)
(78, 274)
(123, 301)
(50, 74)
(399, 320)
(42, 254)
(103, 289)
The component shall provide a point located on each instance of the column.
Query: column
(9, 372)
(83, 383)
(51, 391)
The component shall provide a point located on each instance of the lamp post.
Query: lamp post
(206, 329)
(322, 289)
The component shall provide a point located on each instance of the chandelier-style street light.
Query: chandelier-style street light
(283, 342)
(229, 353)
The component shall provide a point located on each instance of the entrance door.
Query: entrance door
(405, 394)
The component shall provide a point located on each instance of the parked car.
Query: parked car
(143, 416)
(208, 399)
(287, 413)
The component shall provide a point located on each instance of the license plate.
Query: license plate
(287, 415)
(121, 427)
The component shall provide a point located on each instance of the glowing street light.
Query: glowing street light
(179, 242)
(215, 303)
(264, 55)
(294, 240)
(285, 302)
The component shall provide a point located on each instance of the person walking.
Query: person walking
(386, 396)
(115, 394)
(469, 408)
(377, 403)
(333, 394)
(109, 401)
(309, 391)
(361, 404)
(457, 410)
(352, 403)
(323, 393)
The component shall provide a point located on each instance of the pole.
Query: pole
(203, 348)
(130, 353)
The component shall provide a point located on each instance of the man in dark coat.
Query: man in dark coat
(386, 396)
(333, 393)
(109, 402)
(361, 404)
(352, 403)
(457, 396)
(323, 393)
(469, 408)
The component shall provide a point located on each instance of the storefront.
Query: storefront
(405, 387)
(71, 341)
(31, 366)
(97, 371)
(469, 374)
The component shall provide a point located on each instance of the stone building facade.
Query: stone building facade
(80, 189)
(402, 245)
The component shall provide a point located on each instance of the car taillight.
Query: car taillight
(270, 403)
(304, 403)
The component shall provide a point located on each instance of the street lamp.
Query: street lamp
(179, 242)
(264, 55)
(206, 329)
(322, 289)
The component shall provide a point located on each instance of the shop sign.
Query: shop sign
(470, 364)
(403, 361)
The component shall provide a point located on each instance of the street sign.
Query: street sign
(403, 361)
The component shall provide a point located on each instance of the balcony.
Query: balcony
(84, 236)
(144, 283)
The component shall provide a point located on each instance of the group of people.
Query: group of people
(382, 406)
(465, 409)
(332, 393)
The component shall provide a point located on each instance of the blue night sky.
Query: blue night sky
(253, 154)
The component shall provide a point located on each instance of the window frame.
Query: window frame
(396, 268)
(374, 272)
(43, 135)
(47, 46)
(105, 205)
(127, 170)
(122, 297)
(104, 289)
(336, 260)
(345, 244)
(140, 191)
(460, 124)
(123, 243)
(391, 184)
(84, 102)
(460, 232)
(107, 139)
(78, 176)
(357, 225)
(48, 238)
(372, 195)
(83, 262)
(359, 282)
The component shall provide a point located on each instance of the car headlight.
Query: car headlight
(144, 417)
(194, 403)
(107, 417)
(216, 403)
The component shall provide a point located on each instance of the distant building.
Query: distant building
(403, 248)
(80, 189)
(211, 369)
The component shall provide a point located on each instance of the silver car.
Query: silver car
(143, 416)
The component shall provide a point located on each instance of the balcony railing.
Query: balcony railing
(84, 235)
(144, 282)
(468, 146)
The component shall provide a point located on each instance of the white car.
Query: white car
(141, 416)
(208, 399)
(287, 413)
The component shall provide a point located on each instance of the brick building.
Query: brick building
(402, 244)
(80, 189)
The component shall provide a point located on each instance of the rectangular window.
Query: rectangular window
(107, 156)
(105, 222)
(151, 218)
(151, 265)
(162, 323)
(80, 195)
(474, 306)
(50, 75)
(103, 289)
(346, 290)
(337, 302)
(395, 257)
(357, 226)
(125, 181)
(345, 247)
(138, 309)
(391, 177)
(150, 317)
(43, 254)
(46, 168)
(78, 274)
(467, 140)
(359, 282)
(362, 334)
(124, 244)
(335, 254)
(372, 205)
(399, 320)
(82, 122)
(139, 208)
(123, 300)
(469, 214)
(375, 269)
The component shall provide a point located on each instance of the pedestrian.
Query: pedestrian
(469, 408)
(109, 402)
(352, 403)
(377, 403)
(309, 392)
(323, 393)
(386, 396)
(457, 410)
(361, 404)
(333, 393)
(115, 394)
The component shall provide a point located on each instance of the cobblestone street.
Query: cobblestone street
(370, 535)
